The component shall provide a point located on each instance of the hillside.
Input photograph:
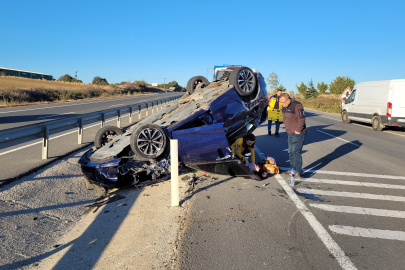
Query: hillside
(22, 91)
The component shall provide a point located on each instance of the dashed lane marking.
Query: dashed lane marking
(322, 233)
(360, 210)
(351, 195)
(370, 233)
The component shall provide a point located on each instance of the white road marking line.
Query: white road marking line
(351, 183)
(351, 174)
(394, 133)
(323, 234)
(352, 195)
(77, 104)
(360, 210)
(370, 233)
(336, 137)
(115, 105)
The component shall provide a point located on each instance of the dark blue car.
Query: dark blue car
(206, 121)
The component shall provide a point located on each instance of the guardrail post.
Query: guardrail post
(130, 115)
(45, 143)
(119, 118)
(102, 120)
(80, 132)
(139, 112)
(174, 172)
(147, 107)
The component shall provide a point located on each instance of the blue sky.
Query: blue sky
(152, 40)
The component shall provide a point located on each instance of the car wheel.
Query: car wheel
(193, 82)
(345, 118)
(148, 142)
(243, 80)
(105, 135)
(376, 123)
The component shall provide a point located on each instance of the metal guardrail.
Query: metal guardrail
(43, 130)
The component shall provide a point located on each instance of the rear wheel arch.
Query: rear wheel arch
(376, 123)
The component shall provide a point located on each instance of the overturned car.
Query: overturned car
(205, 121)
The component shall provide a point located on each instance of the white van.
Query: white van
(381, 103)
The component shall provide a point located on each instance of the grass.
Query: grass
(23, 91)
(325, 103)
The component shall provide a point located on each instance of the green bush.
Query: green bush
(99, 81)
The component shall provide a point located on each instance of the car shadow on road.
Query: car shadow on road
(336, 154)
(277, 147)
(85, 251)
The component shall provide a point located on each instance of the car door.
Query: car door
(349, 104)
(206, 148)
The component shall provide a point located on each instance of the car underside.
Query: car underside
(205, 121)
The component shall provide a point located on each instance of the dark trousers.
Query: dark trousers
(295, 143)
(269, 125)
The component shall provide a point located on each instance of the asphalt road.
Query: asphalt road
(19, 158)
(347, 212)
(12, 117)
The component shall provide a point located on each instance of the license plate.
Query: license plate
(400, 120)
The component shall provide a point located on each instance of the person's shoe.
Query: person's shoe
(286, 172)
(269, 133)
(277, 135)
(298, 176)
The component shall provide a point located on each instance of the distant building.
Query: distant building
(154, 84)
(25, 74)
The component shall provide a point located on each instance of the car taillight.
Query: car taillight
(389, 109)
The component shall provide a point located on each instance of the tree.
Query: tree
(273, 81)
(68, 78)
(322, 87)
(311, 91)
(282, 88)
(338, 85)
(99, 81)
(302, 88)
(174, 84)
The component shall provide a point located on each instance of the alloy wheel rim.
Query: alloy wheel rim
(150, 141)
(245, 81)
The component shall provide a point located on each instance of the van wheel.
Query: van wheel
(345, 118)
(376, 123)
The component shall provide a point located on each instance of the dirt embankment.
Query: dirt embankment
(22, 91)
(325, 103)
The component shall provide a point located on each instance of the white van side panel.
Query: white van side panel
(398, 99)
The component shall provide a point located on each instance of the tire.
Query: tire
(345, 118)
(243, 80)
(105, 135)
(148, 142)
(193, 82)
(376, 123)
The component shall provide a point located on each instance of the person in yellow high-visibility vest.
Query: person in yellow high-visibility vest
(274, 113)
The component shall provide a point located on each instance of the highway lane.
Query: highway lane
(12, 117)
(347, 213)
